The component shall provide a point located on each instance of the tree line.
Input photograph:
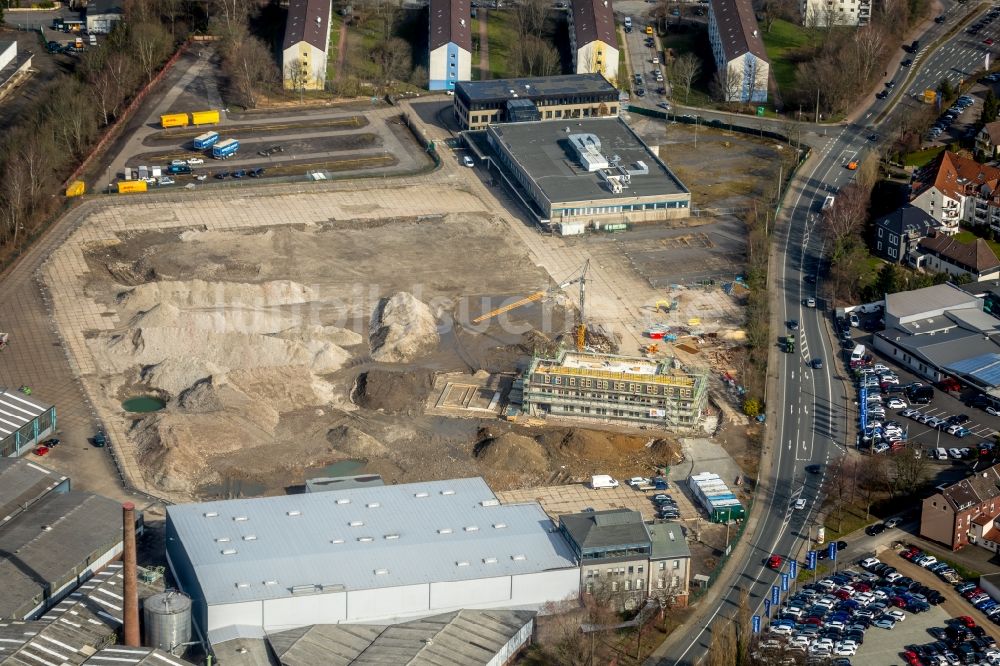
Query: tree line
(52, 135)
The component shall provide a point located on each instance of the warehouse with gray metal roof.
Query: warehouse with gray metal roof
(378, 554)
(24, 422)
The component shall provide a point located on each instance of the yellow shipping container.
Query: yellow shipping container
(126, 186)
(174, 120)
(76, 188)
(204, 117)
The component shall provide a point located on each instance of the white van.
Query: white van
(602, 481)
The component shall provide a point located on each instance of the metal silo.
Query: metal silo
(168, 620)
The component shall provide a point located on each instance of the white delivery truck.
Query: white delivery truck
(602, 481)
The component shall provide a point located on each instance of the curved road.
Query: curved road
(812, 414)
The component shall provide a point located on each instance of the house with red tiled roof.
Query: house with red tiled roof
(988, 140)
(963, 512)
(954, 189)
(941, 253)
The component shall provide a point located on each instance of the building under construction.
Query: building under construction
(608, 388)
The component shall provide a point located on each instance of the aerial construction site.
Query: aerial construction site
(389, 328)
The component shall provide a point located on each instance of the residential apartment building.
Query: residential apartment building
(964, 512)
(478, 104)
(988, 141)
(943, 254)
(306, 45)
(823, 13)
(954, 189)
(738, 50)
(592, 38)
(450, 44)
(607, 388)
(897, 234)
(624, 561)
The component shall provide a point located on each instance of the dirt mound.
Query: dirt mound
(392, 392)
(354, 443)
(511, 452)
(176, 375)
(591, 444)
(511, 460)
(402, 328)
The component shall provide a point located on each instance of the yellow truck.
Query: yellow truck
(127, 186)
(174, 120)
(204, 117)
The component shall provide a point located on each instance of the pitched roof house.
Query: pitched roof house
(953, 188)
(897, 233)
(988, 140)
(948, 516)
(943, 254)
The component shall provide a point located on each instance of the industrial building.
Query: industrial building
(449, 43)
(81, 630)
(588, 173)
(738, 51)
(623, 560)
(24, 422)
(607, 388)
(23, 483)
(592, 38)
(942, 331)
(8, 52)
(478, 104)
(306, 44)
(466, 637)
(364, 555)
(65, 537)
(103, 14)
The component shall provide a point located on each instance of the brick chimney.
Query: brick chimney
(130, 618)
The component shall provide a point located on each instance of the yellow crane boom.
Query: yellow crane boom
(581, 330)
(537, 296)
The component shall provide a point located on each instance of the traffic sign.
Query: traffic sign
(775, 592)
(793, 568)
(755, 622)
(784, 582)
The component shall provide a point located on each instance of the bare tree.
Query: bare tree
(252, 68)
(685, 70)
(532, 56)
(529, 16)
(297, 76)
(150, 46)
(393, 58)
(909, 472)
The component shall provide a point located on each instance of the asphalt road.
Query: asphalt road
(814, 415)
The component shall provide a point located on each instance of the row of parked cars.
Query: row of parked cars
(983, 22)
(960, 642)
(829, 618)
(950, 116)
(953, 425)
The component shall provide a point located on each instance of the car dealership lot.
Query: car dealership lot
(981, 425)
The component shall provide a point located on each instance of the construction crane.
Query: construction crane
(581, 279)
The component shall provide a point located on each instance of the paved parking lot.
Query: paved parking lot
(882, 647)
(982, 426)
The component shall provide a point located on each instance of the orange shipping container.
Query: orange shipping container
(126, 186)
(174, 120)
(204, 117)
